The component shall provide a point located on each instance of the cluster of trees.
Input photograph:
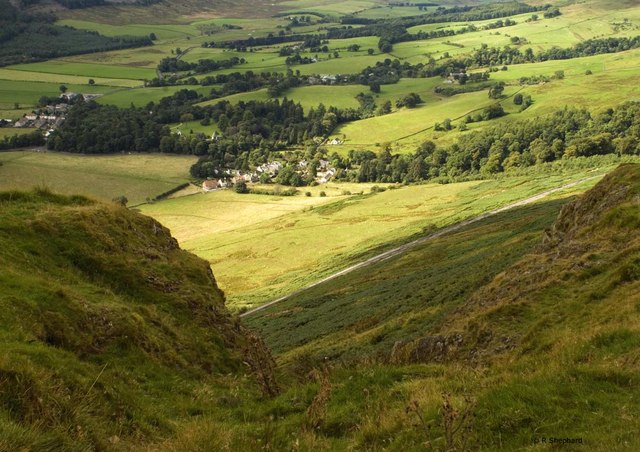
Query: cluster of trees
(26, 37)
(452, 90)
(411, 100)
(254, 131)
(91, 128)
(201, 67)
(391, 71)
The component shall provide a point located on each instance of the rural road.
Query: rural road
(408, 246)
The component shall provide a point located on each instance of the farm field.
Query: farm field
(270, 254)
(329, 6)
(342, 96)
(26, 76)
(10, 131)
(87, 69)
(612, 82)
(137, 177)
(28, 93)
(186, 128)
(162, 32)
(390, 12)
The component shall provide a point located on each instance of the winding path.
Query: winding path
(408, 246)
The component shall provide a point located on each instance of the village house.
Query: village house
(271, 168)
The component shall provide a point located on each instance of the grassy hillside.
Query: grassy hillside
(94, 301)
(507, 356)
(543, 348)
(505, 335)
(280, 244)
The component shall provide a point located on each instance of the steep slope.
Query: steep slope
(583, 277)
(106, 325)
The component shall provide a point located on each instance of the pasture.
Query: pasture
(137, 177)
(261, 247)
(87, 69)
(330, 7)
(10, 131)
(26, 94)
(27, 76)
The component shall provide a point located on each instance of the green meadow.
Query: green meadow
(10, 131)
(187, 128)
(87, 69)
(28, 93)
(26, 76)
(390, 12)
(137, 177)
(329, 6)
(162, 32)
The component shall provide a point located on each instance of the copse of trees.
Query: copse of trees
(172, 64)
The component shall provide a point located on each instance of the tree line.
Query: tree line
(494, 56)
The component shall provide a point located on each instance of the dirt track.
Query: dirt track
(407, 246)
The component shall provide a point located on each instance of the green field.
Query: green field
(405, 296)
(26, 76)
(390, 12)
(28, 93)
(10, 131)
(162, 32)
(87, 70)
(612, 82)
(137, 177)
(266, 255)
(187, 128)
(329, 6)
